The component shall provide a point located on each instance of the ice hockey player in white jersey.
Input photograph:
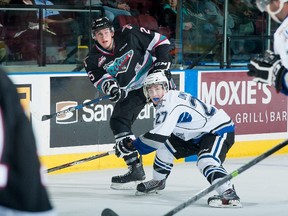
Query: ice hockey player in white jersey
(272, 67)
(184, 126)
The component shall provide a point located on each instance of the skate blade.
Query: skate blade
(125, 186)
(219, 204)
(154, 192)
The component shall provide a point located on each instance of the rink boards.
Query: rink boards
(259, 113)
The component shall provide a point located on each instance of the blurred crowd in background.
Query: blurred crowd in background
(194, 30)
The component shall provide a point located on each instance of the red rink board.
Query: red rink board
(254, 107)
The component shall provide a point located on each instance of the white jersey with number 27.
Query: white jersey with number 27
(186, 117)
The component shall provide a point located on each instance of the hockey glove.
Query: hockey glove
(267, 69)
(112, 89)
(124, 147)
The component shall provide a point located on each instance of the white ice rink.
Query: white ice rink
(263, 190)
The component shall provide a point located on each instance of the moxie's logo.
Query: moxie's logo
(69, 117)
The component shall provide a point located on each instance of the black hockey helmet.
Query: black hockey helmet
(101, 23)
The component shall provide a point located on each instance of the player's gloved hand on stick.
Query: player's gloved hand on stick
(124, 147)
(267, 69)
(112, 89)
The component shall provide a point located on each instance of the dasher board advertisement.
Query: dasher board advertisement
(254, 107)
(90, 125)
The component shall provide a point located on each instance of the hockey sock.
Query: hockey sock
(161, 169)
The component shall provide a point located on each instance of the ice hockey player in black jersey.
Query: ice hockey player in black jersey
(184, 126)
(117, 65)
(22, 190)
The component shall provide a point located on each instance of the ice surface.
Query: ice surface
(263, 190)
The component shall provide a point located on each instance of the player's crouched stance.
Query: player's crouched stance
(184, 126)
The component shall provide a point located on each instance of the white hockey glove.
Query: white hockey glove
(111, 88)
(267, 69)
(124, 147)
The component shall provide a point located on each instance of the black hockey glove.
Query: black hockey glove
(112, 89)
(267, 69)
(124, 147)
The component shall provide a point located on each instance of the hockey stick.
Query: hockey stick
(96, 100)
(70, 109)
(204, 192)
(235, 173)
(83, 160)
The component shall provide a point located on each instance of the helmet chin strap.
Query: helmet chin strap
(273, 14)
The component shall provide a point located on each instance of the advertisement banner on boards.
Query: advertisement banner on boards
(255, 108)
(90, 125)
(24, 92)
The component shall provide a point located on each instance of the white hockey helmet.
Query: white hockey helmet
(263, 5)
(156, 78)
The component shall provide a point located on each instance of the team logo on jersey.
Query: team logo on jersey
(185, 117)
(119, 65)
(69, 117)
(101, 60)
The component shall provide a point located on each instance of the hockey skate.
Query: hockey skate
(229, 199)
(128, 181)
(152, 186)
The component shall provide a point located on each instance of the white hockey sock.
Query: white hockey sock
(163, 160)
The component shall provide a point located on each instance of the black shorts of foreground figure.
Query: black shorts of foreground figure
(204, 192)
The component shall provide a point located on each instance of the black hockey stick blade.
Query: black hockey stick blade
(235, 173)
(83, 160)
(71, 109)
(108, 212)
